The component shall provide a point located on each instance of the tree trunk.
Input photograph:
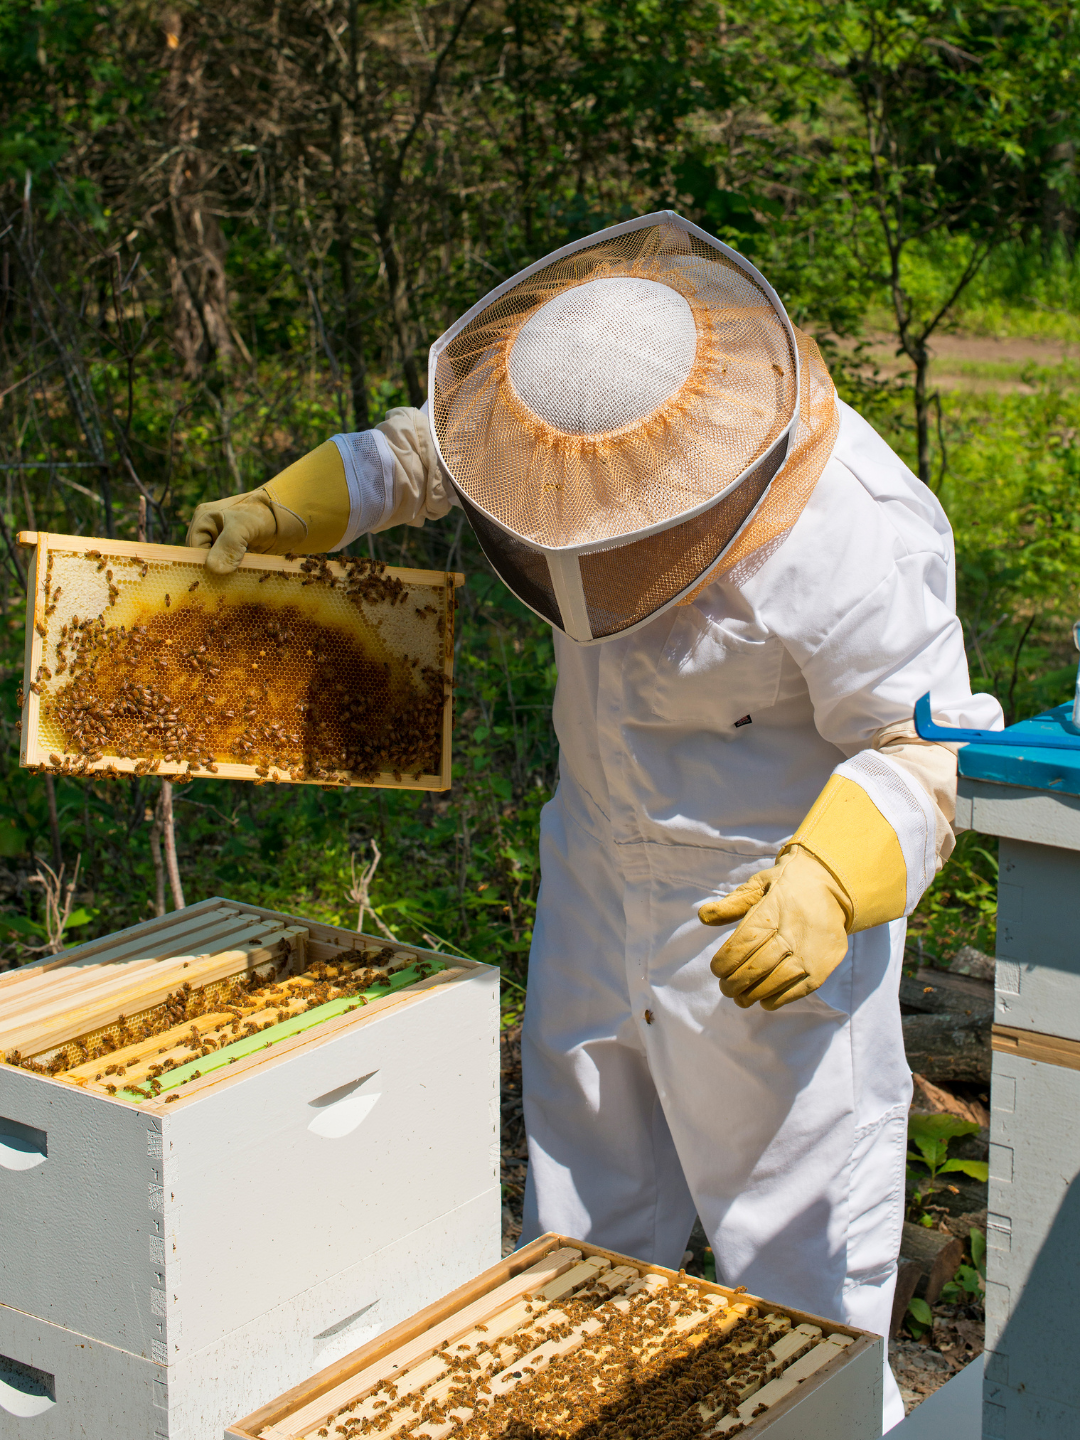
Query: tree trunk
(524, 137)
(155, 855)
(922, 413)
(54, 822)
(350, 300)
(399, 307)
(194, 240)
(169, 834)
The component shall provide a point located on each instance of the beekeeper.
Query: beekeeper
(748, 592)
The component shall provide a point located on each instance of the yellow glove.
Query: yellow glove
(304, 509)
(843, 870)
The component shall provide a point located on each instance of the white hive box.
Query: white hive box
(566, 1336)
(1030, 799)
(160, 1258)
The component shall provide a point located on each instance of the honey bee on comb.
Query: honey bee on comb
(326, 677)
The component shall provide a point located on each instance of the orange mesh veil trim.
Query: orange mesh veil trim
(815, 436)
(558, 489)
(624, 584)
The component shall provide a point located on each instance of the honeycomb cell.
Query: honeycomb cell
(318, 672)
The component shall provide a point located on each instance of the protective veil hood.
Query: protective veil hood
(625, 419)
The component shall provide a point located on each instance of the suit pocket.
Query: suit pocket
(711, 676)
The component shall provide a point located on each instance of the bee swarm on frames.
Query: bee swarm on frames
(292, 670)
(593, 1346)
(138, 1041)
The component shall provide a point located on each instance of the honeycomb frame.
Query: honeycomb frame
(373, 617)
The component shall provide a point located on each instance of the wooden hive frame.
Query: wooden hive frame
(275, 937)
(34, 753)
(522, 1276)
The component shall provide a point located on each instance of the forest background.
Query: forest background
(228, 231)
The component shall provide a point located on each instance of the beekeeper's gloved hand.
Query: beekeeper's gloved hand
(842, 871)
(304, 509)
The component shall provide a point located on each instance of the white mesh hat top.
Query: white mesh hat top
(615, 418)
(604, 355)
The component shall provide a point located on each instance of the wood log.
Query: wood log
(908, 1275)
(935, 992)
(937, 1254)
(969, 961)
(932, 1100)
(949, 1047)
(955, 1195)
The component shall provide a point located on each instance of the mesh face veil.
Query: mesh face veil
(627, 419)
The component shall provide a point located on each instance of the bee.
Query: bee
(168, 601)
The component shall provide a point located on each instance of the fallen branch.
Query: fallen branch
(360, 893)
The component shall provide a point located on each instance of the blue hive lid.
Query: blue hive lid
(1038, 768)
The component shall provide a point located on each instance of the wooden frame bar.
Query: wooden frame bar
(94, 952)
(36, 1036)
(53, 993)
(1031, 1045)
(34, 753)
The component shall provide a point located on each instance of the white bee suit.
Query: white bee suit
(690, 750)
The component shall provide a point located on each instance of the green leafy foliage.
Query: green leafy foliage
(920, 1317)
(969, 1283)
(977, 1242)
(960, 907)
(930, 1135)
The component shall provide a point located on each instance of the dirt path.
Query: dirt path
(958, 359)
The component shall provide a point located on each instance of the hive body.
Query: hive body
(303, 670)
(245, 1228)
(565, 1340)
(1031, 1387)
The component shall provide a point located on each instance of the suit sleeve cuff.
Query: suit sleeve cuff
(369, 473)
(907, 808)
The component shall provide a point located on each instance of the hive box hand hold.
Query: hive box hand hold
(293, 669)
